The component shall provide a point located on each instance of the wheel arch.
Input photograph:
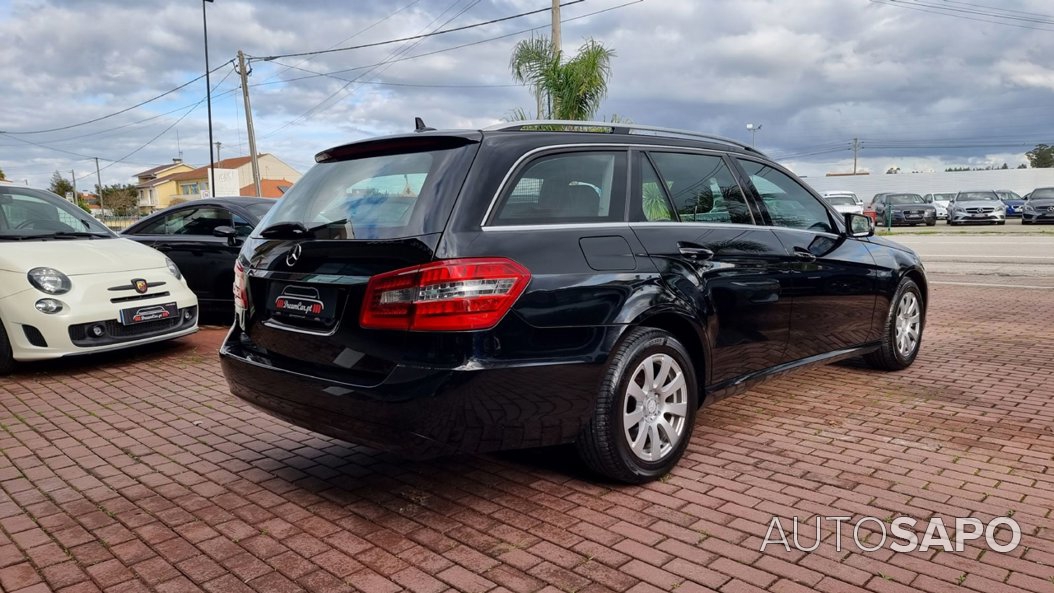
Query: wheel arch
(681, 327)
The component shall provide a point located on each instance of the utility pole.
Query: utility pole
(249, 124)
(856, 149)
(218, 145)
(556, 28)
(98, 176)
(208, 97)
(73, 178)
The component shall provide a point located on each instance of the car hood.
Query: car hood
(1042, 203)
(979, 204)
(79, 257)
(888, 243)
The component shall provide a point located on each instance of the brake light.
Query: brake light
(448, 295)
(241, 296)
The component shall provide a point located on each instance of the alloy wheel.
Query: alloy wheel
(655, 408)
(907, 324)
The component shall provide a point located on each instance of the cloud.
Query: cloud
(914, 87)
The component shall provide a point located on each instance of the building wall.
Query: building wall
(1021, 181)
(270, 168)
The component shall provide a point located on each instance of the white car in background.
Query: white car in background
(940, 202)
(69, 285)
(843, 193)
(844, 204)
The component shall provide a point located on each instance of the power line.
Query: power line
(413, 37)
(446, 49)
(399, 84)
(937, 10)
(116, 113)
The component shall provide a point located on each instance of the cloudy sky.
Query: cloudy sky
(923, 84)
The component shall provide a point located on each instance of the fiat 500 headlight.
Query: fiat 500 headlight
(173, 268)
(49, 280)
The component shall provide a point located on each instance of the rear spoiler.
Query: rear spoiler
(402, 144)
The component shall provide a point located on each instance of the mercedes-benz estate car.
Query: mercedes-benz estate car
(976, 206)
(541, 283)
(69, 285)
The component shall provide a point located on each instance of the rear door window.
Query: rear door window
(566, 188)
(701, 187)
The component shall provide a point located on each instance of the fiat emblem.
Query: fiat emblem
(292, 257)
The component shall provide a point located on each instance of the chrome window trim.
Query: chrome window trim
(598, 145)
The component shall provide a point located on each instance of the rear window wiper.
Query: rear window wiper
(285, 230)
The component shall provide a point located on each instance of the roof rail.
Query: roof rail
(614, 128)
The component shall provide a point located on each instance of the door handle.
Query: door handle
(803, 254)
(694, 251)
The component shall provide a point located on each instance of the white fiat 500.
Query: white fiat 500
(69, 285)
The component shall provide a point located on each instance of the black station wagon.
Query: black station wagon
(540, 283)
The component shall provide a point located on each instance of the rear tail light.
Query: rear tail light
(241, 296)
(448, 295)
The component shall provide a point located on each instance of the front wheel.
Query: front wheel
(645, 410)
(1001, 222)
(931, 223)
(902, 332)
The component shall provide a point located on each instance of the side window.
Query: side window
(788, 203)
(241, 226)
(204, 220)
(569, 187)
(654, 204)
(702, 188)
(160, 226)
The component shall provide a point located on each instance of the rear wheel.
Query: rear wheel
(902, 333)
(645, 410)
(7, 360)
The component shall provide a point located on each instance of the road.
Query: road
(1019, 259)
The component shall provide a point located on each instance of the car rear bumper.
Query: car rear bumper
(420, 412)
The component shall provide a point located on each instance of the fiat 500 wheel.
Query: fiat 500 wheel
(902, 334)
(645, 409)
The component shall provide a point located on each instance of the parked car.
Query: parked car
(1039, 207)
(511, 287)
(844, 204)
(69, 285)
(976, 206)
(1012, 201)
(842, 193)
(903, 209)
(203, 238)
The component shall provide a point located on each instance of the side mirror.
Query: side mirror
(859, 225)
(228, 232)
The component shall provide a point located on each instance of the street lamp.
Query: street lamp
(753, 131)
(208, 98)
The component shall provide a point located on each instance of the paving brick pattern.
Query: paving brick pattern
(125, 474)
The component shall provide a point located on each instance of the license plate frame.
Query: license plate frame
(147, 313)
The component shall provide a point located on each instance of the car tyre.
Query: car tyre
(931, 223)
(902, 331)
(1001, 222)
(7, 359)
(638, 432)
(1023, 221)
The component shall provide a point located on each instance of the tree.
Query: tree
(1041, 157)
(83, 204)
(571, 89)
(60, 185)
(120, 199)
(1022, 166)
(2, 176)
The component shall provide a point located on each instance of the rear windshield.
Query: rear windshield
(374, 197)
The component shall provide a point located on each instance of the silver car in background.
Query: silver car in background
(843, 193)
(976, 206)
(844, 204)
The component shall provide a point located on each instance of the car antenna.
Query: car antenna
(419, 125)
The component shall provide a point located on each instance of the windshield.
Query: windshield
(840, 201)
(1008, 195)
(944, 197)
(35, 214)
(977, 196)
(1043, 193)
(905, 199)
(372, 197)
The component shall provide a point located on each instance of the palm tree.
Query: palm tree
(563, 90)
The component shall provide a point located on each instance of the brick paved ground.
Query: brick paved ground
(144, 474)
